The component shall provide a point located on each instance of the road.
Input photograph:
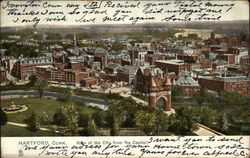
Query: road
(5, 95)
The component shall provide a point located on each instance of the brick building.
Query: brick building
(26, 67)
(112, 68)
(3, 76)
(206, 64)
(219, 64)
(175, 66)
(67, 76)
(126, 73)
(229, 58)
(151, 58)
(239, 84)
(100, 55)
(188, 84)
(188, 58)
(245, 60)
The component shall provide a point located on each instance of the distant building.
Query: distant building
(26, 67)
(238, 52)
(229, 58)
(127, 73)
(219, 65)
(100, 55)
(175, 66)
(245, 60)
(239, 84)
(112, 68)
(188, 84)
(66, 76)
(3, 76)
(204, 34)
(206, 64)
(188, 58)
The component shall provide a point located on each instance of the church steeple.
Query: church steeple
(74, 41)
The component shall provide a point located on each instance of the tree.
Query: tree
(41, 85)
(202, 96)
(46, 118)
(33, 79)
(33, 122)
(116, 115)
(232, 99)
(177, 93)
(205, 115)
(117, 46)
(146, 121)
(91, 128)
(72, 116)
(67, 93)
(162, 121)
(3, 117)
(99, 118)
(60, 117)
(83, 119)
(53, 36)
(184, 121)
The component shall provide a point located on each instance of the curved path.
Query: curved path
(5, 95)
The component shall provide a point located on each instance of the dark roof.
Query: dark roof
(113, 65)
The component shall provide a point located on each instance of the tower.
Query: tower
(132, 57)
(74, 41)
(212, 35)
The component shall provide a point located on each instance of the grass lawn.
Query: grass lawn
(40, 105)
(11, 131)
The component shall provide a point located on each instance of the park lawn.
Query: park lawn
(40, 105)
(11, 131)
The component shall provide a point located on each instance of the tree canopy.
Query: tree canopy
(41, 85)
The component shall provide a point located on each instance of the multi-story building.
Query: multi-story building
(3, 76)
(175, 66)
(126, 73)
(245, 60)
(112, 68)
(67, 76)
(188, 58)
(188, 84)
(206, 64)
(239, 84)
(230, 58)
(26, 67)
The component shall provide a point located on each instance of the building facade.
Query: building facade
(239, 84)
(67, 76)
(26, 67)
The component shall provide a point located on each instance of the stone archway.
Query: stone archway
(160, 86)
(155, 96)
(161, 101)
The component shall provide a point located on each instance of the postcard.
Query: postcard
(125, 79)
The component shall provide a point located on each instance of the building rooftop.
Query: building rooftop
(100, 50)
(128, 69)
(45, 66)
(228, 79)
(185, 79)
(174, 61)
(220, 62)
(113, 65)
(38, 60)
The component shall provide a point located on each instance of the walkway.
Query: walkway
(206, 131)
